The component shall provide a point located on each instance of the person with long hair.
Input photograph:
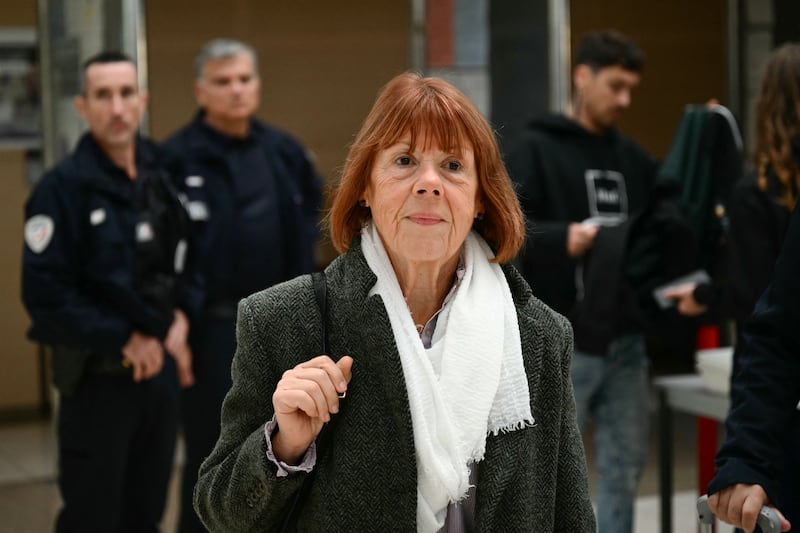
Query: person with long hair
(758, 462)
(778, 126)
(761, 202)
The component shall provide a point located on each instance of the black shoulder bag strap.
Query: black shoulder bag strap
(321, 295)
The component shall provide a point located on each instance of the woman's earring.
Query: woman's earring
(362, 203)
(479, 216)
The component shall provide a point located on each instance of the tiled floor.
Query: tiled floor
(29, 498)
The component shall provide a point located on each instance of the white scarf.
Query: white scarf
(482, 386)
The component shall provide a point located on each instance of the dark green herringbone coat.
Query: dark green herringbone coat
(531, 480)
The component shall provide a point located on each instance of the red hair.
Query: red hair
(411, 104)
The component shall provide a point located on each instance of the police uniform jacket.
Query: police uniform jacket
(532, 479)
(105, 255)
(254, 201)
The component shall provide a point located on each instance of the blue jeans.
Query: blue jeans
(612, 391)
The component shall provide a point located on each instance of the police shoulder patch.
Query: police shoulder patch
(38, 232)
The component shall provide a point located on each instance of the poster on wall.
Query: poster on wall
(20, 110)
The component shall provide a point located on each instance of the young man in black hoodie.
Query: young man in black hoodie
(578, 180)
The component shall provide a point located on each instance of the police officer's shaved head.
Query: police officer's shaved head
(222, 49)
(108, 56)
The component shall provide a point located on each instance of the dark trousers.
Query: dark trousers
(116, 447)
(213, 342)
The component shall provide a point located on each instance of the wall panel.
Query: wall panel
(19, 379)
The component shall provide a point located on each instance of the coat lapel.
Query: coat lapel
(367, 335)
(506, 451)
(382, 360)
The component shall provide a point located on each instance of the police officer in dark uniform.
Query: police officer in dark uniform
(254, 198)
(107, 284)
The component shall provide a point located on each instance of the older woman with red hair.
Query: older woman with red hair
(442, 401)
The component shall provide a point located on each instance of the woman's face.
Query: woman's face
(423, 201)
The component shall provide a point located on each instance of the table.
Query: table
(685, 393)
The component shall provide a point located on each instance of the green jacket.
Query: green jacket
(531, 480)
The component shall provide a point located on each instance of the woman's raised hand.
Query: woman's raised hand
(304, 400)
